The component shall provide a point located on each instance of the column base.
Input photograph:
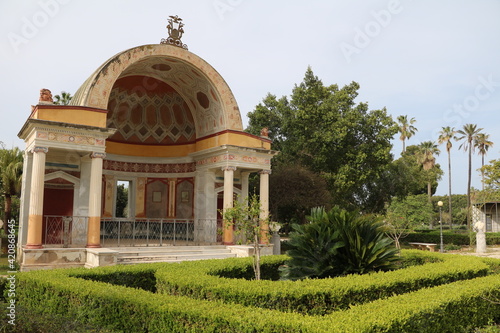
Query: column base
(93, 246)
(227, 243)
(33, 246)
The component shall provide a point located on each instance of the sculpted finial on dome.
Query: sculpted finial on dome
(45, 97)
(175, 32)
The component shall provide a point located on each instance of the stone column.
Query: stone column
(244, 186)
(264, 205)
(35, 218)
(25, 203)
(95, 194)
(227, 235)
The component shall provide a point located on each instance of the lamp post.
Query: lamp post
(440, 204)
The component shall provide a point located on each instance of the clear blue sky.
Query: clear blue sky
(437, 61)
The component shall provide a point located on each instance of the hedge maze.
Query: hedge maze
(434, 293)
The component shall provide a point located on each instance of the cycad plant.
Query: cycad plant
(313, 249)
(337, 243)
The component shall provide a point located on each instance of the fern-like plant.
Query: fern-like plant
(337, 243)
(313, 249)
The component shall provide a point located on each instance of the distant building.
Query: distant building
(488, 213)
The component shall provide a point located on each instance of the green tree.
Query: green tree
(491, 174)
(271, 114)
(468, 134)
(448, 134)
(482, 143)
(63, 99)
(11, 169)
(406, 129)
(293, 191)
(409, 176)
(323, 129)
(245, 217)
(121, 200)
(336, 243)
(425, 156)
(404, 215)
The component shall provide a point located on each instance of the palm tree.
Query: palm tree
(406, 129)
(425, 157)
(427, 150)
(11, 168)
(468, 134)
(63, 99)
(446, 135)
(482, 143)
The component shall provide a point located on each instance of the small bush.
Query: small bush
(338, 243)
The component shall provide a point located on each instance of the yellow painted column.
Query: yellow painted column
(95, 194)
(227, 235)
(35, 218)
(264, 206)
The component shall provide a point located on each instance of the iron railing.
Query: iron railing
(64, 230)
(116, 232)
(71, 231)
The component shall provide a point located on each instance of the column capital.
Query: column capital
(39, 149)
(264, 172)
(228, 168)
(97, 155)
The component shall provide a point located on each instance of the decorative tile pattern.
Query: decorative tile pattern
(232, 157)
(144, 113)
(149, 167)
(187, 73)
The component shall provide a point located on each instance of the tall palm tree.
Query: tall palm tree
(427, 150)
(468, 134)
(406, 129)
(11, 168)
(63, 99)
(482, 143)
(446, 135)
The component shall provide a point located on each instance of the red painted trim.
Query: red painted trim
(33, 246)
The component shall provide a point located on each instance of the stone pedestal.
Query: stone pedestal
(248, 251)
(49, 258)
(101, 257)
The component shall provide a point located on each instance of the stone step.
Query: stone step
(173, 249)
(161, 253)
(133, 255)
(172, 258)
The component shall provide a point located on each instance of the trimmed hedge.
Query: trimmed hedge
(449, 237)
(313, 297)
(454, 307)
(449, 307)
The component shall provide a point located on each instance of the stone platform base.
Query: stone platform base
(247, 250)
(49, 258)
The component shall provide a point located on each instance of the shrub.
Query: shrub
(314, 296)
(368, 302)
(337, 243)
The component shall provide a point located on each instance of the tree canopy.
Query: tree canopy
(324, 129)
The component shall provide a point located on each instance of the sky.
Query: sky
(435, 61)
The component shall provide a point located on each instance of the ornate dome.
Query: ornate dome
(160, 95)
